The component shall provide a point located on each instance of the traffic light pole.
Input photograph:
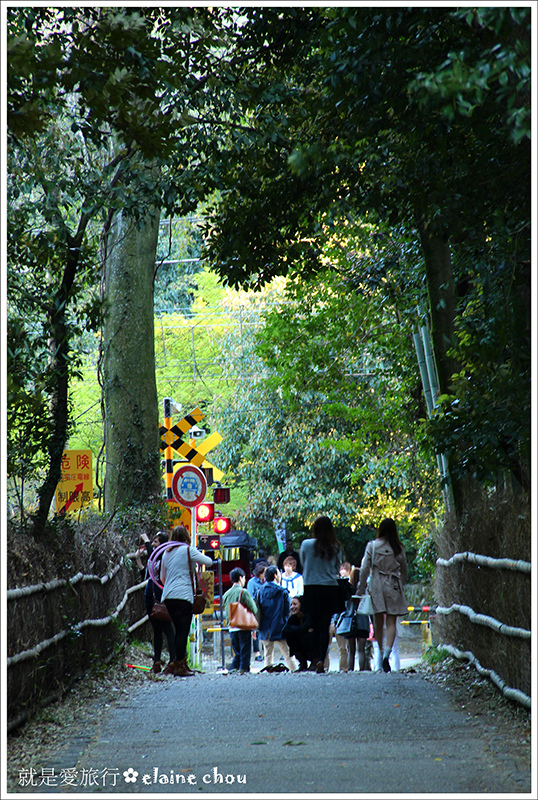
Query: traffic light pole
(223, 663)
(195, 637)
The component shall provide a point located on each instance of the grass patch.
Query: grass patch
(434, 655)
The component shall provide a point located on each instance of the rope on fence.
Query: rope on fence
(38, 649)
(508, 691)
(14, 594)
(138, 624)
(486, 561)
(483, 619)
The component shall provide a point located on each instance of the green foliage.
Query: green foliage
(434, 655)
(484, 419)
(346, 125)
(177, 265)
(501, 69)
(327, 426)
(425, 557)
(342, 127)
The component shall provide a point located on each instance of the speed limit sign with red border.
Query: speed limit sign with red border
(189, 486)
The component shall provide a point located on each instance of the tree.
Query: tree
(326, 419)
(50, 273)
(130, 396)
(345, 124)
(117, 88)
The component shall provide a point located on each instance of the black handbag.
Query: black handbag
(199, 601)
(350, 623)
(346, 624)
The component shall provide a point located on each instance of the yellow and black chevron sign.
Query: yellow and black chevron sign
(171, 438)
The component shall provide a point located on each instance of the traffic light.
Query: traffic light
(208, 542)
(222, 524)
(205, 512)
(221, 495)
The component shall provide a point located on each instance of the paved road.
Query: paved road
(300, 733)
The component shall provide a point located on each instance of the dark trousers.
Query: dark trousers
(304, 646)
(240, 641)
(181, 613)
(321, 628)
(320, 603)
(161, 629)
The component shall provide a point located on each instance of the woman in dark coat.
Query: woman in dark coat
(299, 634)
(152, 594)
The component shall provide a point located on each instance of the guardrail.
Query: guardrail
(425, 624)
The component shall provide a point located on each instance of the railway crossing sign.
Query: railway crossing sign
(171, 436)
(171, 442)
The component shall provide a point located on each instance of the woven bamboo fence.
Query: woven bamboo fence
(57, 630)
(484, 615)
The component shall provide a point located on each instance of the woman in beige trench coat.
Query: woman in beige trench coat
(385, 559)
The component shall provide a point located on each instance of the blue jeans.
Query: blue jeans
(240, 641)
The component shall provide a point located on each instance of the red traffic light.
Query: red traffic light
(205, 512)
(222, 524)
(221, 495)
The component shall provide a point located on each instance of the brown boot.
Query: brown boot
(157, 667)
(170, 669)
(183, 670)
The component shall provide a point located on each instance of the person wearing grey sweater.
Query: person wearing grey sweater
(321, 557)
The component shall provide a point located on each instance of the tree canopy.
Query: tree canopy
(417, 117)
(379, 158)
(99, 100)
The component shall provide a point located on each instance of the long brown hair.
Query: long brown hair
(326, 544)
(180, 533)
(387, 530)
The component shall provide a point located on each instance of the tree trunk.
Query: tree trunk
(131, 425)
(443, 302)
(443, 305)
(59, 368)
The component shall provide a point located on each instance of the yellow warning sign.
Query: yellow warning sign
(75, 489)
(177, 515)
(207, 580)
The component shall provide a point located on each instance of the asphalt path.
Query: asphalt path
(357, 733)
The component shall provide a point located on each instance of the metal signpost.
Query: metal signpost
(187, 484)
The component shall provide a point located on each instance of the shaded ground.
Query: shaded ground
(79, 723)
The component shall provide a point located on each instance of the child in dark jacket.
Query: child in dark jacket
(274, 604)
